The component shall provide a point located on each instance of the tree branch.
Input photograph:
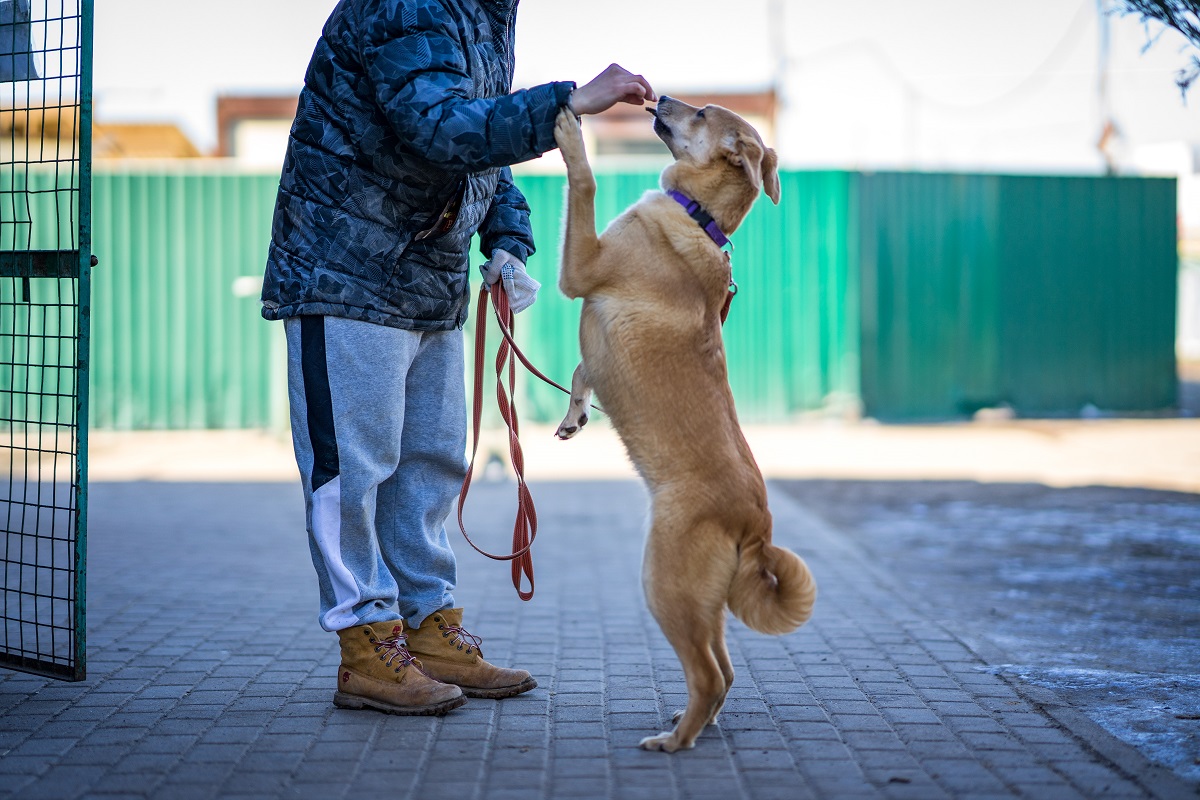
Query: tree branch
(1180, 15)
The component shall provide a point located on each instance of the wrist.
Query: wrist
(572, 99)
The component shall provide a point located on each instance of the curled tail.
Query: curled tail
(773, 590)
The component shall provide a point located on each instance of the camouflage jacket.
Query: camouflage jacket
(405, 121)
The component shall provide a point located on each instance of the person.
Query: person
(400, 152)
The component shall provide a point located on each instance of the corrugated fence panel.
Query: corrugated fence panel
(957, 292)
(929, 272)
(1045, 294)
(1088, 320)
(791, 335)
(38, 340)
(177, 339)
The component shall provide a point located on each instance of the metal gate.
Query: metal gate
(45, 270)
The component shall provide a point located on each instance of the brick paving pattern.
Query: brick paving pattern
(208, 676)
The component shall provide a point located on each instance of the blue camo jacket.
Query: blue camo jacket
(406, 113)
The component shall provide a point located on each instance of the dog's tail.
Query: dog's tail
(773, 590)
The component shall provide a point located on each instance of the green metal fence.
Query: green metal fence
(180, 343)
(910, 295)
(1049, 295)
(45, 263)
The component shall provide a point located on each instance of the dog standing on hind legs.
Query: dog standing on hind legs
(654, 286)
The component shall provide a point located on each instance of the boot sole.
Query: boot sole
(354, 703)
(503, 691)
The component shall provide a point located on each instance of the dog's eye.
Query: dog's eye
(700, 113)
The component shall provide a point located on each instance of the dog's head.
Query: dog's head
(720, 159)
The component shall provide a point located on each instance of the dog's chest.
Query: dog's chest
(647, 339)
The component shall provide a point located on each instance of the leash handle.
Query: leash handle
(525, 525)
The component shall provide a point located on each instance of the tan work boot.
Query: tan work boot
(379, 672)
(451, 655)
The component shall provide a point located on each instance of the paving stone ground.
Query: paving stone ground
(209, 677)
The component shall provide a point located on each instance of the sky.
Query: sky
(928, 84)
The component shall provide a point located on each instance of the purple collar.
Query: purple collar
(702, 217)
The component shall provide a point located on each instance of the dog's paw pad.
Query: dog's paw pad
(665, 742)
(567, 431)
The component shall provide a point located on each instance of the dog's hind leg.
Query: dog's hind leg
(721, 653)
(685, 589)
(705, 683)
(577, 411)
(580, 242)
(724, 662)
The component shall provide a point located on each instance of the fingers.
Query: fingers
(490, 270)
(494, 268)
(633, 88)
(632, 92)
(647, 92)
(614, 85)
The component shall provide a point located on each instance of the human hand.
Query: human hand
(518, 285)
(492, 268)
(615, 85)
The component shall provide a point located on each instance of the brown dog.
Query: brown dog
(653, 288)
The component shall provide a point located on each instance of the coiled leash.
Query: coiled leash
(525, 526)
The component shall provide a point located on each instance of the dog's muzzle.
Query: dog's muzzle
(660, 127)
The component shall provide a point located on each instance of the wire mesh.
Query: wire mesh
(44, 109)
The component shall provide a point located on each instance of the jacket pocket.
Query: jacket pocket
(444, 221)
(478, 191)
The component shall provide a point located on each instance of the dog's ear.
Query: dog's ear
(770, 173)
(759, 164)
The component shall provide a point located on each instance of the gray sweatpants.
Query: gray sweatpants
(379, 428)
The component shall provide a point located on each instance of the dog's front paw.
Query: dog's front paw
(570, 427)
(568, 135)
(665, 742)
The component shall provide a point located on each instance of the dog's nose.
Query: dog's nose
(662, 101)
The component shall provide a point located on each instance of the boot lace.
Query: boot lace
(461, 637)
(394, 649)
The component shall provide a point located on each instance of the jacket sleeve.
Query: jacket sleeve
(419, 77)
(506, 226)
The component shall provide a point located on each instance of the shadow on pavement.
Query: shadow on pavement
(1088, 591)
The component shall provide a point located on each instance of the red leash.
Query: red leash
(525, 527)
